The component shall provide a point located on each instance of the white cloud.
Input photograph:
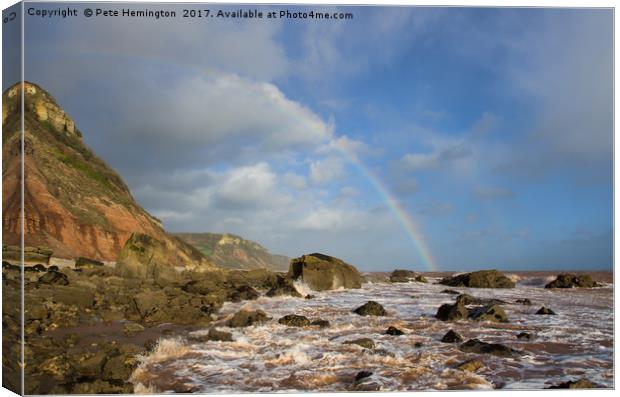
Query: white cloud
(294, 181)
(323, 219)
(326, 170)
(439, 157)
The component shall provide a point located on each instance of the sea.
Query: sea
(576, 343)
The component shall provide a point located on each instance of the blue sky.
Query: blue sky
(490, 128)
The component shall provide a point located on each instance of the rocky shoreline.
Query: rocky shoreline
(86, 326)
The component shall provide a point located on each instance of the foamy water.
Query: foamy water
(576, 343)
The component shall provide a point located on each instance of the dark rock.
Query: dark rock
(8, 266)
(402, 276)
(525, 302)
(243, 293)
(54, 278)
(470, 365)
(362, 375)
(366, 343)
(578, 384)
(455, 312)
(394, 331)
(524, 335)
(129, 329)
(39, 268)
(283, 286)
(452, 337)
(53, 268)
(320, 323)
(467, 299)
(219, 336)
(572, 281)
(322, 272)
(370, 308)
(479, 279)
(450, 292)
(545, 310)
(82, 262)
(310, 296)
(489, 313)
(418, 345)
(293, 320)
(496, 349)
(421, 279)
(246, 318)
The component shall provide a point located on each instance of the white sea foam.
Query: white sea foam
(578, 342)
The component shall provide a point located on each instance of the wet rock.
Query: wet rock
(467, 299)
(147, 258)
(525, 336)
(402, 276)
(572, 281)
(421, 279)
(320, 323)
(310, 296)
(122, 363)
(577, 384)
(362, 375)
(418, 345)
(394, 331)
(219, 336)
(54, 278)
(293, 320)
(130, 329)
(370, 308)
(450, 292)
(470, 365)
(489, 313)
(366, 343)
(38, 268)
(99, 387)
(246, 318)
(82, 262)
(149, 302)
(525, 302)
(88, 365)
(323, 272)
(452, 337)
(455, 312)
(283, 286)
(243, 293)
(545, 311)
(479, 279)
(496, 349)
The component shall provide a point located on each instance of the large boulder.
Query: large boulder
(572, 281)
(493, 313)
(283, 286)
(322, 272)
(479, 279)
(455, 312)
(294, 320)
(402, 276)
(145, 257)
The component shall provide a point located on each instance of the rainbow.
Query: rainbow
(412, 230)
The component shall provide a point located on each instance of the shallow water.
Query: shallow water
(576, 343)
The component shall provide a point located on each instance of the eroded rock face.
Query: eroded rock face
(479, 279)
(572, 281)
(322, 272)
(74, 203)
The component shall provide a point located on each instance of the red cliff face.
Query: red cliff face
(73, 202)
